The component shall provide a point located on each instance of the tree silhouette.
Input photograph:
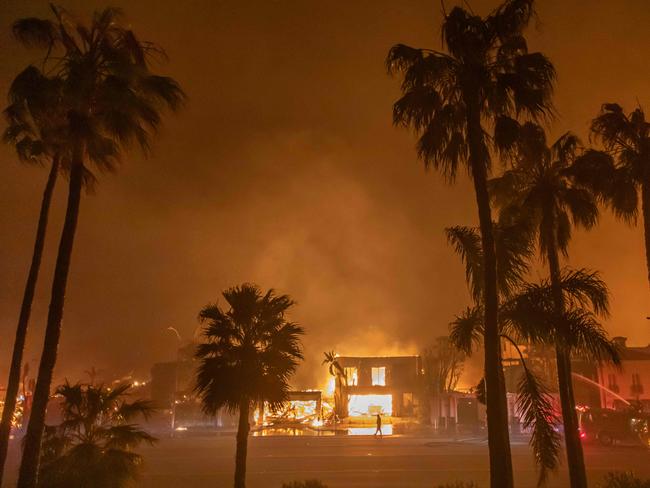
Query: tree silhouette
(111, 100)
(35, 119)
(513, 251)
(251, 351)
(336, 370)
(626, 174)
(93, 445)
(541, 191)
(528, 314)
(451, 99)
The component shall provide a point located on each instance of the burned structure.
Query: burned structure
(380, 385)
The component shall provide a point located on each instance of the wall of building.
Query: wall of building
(401, 381)
(631, 382)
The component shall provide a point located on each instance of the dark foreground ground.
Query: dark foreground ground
(351, 462)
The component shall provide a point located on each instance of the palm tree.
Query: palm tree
(93, 445)
(251, 351)
(541, 191)
(451, 99)
(527, 314)
(336, 370)
(532, 317)
(112, 100)
(513, 252)
(33, 117)
(627, 139)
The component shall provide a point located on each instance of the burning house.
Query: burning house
(302, 406)
(385, 385)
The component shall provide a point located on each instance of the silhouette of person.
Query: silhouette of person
(378, 431)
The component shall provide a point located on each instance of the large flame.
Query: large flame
(360, 405)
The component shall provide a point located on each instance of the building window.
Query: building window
(611, 383)
(352, 376)
(637, 387)
(379, 376)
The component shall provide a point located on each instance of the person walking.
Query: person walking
(378, 431)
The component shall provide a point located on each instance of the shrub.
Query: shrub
(623, 480)
(305, 484)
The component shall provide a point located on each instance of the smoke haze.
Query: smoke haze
(284, 170)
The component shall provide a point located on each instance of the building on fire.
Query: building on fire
(380, 385)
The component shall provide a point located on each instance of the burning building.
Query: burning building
(380, 385)
(304, 406)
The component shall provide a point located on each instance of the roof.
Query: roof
(635, 353)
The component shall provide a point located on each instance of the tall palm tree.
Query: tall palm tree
(527, 314)
(34, 118)
(93, 445)
(541, 191)
(251, 351)
(451, 99)
(627, 139)
(336, 370)
(513, 252)
(112, 100)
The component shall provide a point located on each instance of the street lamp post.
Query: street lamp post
(173, 420)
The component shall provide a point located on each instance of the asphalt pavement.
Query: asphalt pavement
(359, 462)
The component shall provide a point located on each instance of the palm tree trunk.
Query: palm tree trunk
(575, 456)
(501, 475)
(242, 445)
(13, 382)
(645, 208)
(32, 443)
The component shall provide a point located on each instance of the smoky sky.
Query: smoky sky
(284, 169)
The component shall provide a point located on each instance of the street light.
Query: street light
(173, 422)
(175, 331)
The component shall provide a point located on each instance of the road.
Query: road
(358, 462)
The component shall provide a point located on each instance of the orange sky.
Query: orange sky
(284, 170)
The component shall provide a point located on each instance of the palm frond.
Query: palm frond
(466, 330)
(34, 32)
(586, 289)
(587, 338)
(511, 18)
(506, 134)
(536, 412)
(513, 247)
(466, 242)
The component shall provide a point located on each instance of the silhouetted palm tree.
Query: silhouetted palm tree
(93, 445)
(251, 352)
(336, 370)
(34, 119)
(627, 139)
(513, 250)
(450, 99)
(541, 191)
(527, 314)
(112, 100)
(531, 316)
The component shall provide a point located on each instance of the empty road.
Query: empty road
(357, 462)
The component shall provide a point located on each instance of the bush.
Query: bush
(305, 484)
(623, 480)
